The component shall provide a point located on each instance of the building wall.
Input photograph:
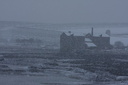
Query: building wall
(65, 43)
(101, 42)
(79, 42)
(71, 43)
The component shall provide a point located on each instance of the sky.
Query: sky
(65, 11)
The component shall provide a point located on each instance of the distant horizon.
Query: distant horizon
(66, 23)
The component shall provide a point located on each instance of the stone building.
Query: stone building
(70, 42)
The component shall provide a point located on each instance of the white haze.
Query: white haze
(64, 11)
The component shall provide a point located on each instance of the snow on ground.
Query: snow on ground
(50, 79)
(38, 71)
(30, 71)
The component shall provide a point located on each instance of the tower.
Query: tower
(92, 31)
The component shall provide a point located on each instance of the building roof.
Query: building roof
(68, 34)
(90, 44)
(84, 34)
(87, 40)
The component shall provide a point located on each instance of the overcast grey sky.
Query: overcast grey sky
(65, 11)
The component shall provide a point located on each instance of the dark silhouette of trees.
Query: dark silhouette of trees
(28, 41)
(119, 45)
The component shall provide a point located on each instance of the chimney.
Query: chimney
(92, 31)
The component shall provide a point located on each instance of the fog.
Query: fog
(51, 42)
(64, 11)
